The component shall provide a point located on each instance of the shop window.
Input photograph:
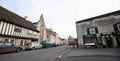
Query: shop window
(117, 16)
(6, 40)
(12, 41)
(21, 43)
(25, 42)
(116, 27)
(1, 43)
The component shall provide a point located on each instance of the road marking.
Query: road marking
(60, 56)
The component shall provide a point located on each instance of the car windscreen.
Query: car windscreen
(8, 44)
(1, 43)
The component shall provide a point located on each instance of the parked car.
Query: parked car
(6, 47)
(46, 44)
(54, 45)
(33, 45)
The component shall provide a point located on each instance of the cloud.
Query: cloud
(61, 15)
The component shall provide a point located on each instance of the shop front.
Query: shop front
(117, 34)
(90, 40)
(109, 41)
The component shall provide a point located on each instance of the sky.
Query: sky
(61, 15)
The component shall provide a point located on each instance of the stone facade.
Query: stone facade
(45, 33)
(70, 39)
(53, 37)
(103, 23)
(42, 28)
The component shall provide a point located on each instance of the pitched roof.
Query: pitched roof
(13, 18)
(107, 14)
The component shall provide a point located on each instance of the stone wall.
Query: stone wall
(104, 25)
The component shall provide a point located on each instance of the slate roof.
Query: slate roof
(8, 16)
(107, 14)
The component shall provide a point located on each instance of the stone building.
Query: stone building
(53, 37)
(45, 33)
(16, 29)
(41, 26)
(70, 40)
(65, 41)
(101, 30)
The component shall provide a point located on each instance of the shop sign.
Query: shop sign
(89, 36)
(80, 42)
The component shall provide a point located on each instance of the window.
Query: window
(12, 41)
(8, 44)
(18, 29)
(92, 30)
(30, 32)
(34, 33)
(6, 40)
(21, 43)
(1, 43)
(116, 27)
(117, 17)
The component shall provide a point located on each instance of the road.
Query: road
(63, 53)
(48, 54)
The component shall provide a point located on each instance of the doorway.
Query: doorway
(108, 39)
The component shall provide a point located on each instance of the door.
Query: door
(118, 41)
(109, 42)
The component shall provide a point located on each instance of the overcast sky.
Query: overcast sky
(61, 15)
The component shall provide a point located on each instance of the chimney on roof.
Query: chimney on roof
(41, 16)
(25, 17)
(50, 29)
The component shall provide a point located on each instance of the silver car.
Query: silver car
(9, 47)
(33, 45)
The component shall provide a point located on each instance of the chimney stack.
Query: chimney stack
(25, 17)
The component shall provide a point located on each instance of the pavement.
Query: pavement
(90, 54)
(90, 58)
(93, 51)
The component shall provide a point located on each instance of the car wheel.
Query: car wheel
(33, 48)
(18, 49)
